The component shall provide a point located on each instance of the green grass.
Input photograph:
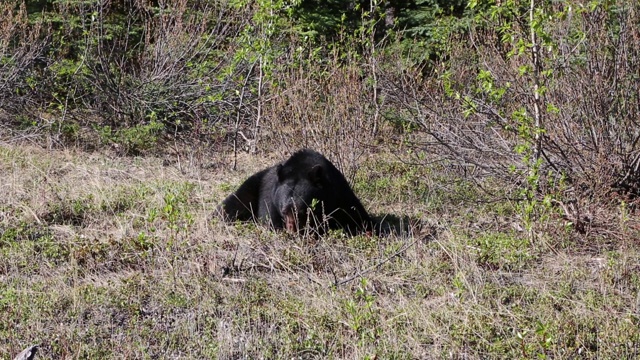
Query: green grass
(123, 258)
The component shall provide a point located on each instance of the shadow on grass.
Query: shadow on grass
(401, 225)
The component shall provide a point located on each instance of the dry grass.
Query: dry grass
(110, 257)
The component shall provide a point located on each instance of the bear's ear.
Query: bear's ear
(316, 175)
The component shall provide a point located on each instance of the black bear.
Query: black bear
(305, 191)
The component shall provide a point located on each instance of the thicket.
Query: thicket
(542, 95)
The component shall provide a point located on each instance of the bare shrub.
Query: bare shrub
(21, 46)
(476, 108)
(326, 106)
(595, 135)
(141, 64)
(176, 76)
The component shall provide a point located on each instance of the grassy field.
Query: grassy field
(119, 257)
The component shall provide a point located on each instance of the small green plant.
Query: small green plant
(540, 346)
(545, 339)
(362, 314)
(23, 231)
(71, 211)
(70, 131)
(144, 242)
(458, 283)
(51, 249)
(134, 140)
(368, 244)
(624, 216)
(24, 122)
(174, 209)
(503, 251)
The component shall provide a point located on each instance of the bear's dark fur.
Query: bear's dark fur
(306, 189)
